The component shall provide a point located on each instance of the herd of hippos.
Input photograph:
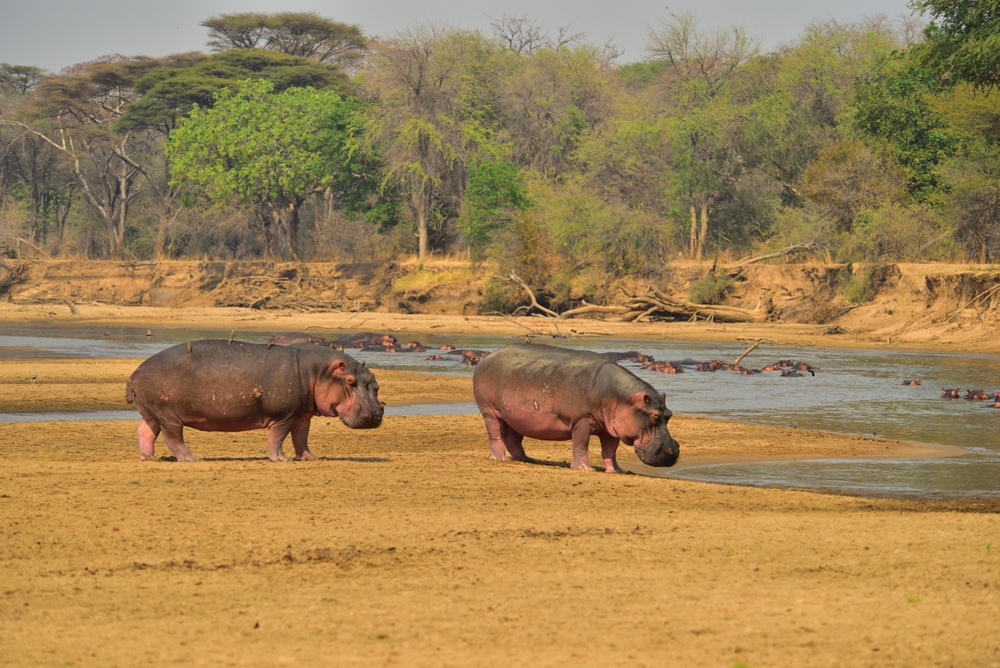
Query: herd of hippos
(522, 390)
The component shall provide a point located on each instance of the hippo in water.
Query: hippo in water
(213, 385)
(365, 339)
(292, 338)
(949, 393)
(555, 394)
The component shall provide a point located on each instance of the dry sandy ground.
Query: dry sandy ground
(406, 546)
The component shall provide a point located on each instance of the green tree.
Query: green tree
(891, 106)
(264, 150)
(496, 194)
(963, 40)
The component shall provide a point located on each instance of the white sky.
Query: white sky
(53, 34)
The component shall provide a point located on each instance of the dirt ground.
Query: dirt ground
(406, 546)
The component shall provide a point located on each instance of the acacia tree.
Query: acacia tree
(302, 34)
(264, 150)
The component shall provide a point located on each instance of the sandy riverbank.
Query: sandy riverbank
(406, 546)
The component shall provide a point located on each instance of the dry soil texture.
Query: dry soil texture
(406, 546)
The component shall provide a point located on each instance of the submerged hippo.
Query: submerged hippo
(556, 394)
(365, 339)
(292, 338)
(213, 385)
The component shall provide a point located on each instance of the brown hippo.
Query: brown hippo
(365, 339)
(555, 394)
(911, 382)
(213, 385)
(292, 338)
(949, 393)
(977, 395)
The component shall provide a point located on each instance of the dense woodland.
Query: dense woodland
(297, 137)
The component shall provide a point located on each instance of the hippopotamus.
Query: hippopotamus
(911, 382)
(292, 338)
(365, 339)
(977, 395)
(949, 394)
(555, 394)
(214, 385)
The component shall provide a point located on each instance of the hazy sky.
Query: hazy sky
(53, 34)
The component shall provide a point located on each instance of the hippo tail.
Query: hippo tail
(129, 392)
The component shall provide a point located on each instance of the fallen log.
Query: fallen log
(593, 308)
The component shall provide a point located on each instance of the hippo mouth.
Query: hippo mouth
(657, 452)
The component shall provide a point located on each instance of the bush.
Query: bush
(711, 289)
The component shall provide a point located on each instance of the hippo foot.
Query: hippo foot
(147, 457)
(582, 466)
(279, 457)
(614, 470)
(186, 458)
(305, 456)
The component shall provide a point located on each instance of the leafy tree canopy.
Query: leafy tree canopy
(963, 39)
(301, 34)
(169, 92)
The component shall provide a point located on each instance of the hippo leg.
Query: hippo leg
(276, 434)
(503, 439)
(581, 441)
(609, 449)
(148, 431)
(174, 436)
(300, 437)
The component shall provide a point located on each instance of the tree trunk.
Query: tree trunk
(694, 233)
(420, 206)
(704, 230)
(292, 225)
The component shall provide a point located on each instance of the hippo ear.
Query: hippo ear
(663, 396)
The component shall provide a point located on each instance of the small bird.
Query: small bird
(32, 378)
(149, 332)
(231, 335)
(527, 339)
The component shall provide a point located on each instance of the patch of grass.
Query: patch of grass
(424, 279)
(913, 599)
(712, 289)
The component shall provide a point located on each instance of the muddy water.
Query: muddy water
(857, 392)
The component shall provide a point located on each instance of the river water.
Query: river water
(858, 392)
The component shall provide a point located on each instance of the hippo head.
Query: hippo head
(642, 423)
(348, 390)
(387, 340)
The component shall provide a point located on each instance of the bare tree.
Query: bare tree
(712, 56)
(523, 35)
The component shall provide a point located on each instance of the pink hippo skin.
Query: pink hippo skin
(213, 385)
(554, 394)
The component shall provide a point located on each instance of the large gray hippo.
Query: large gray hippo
(555, 394)
(213, 385)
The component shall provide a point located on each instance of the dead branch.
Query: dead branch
(735, 268)
(985, 293)
(534, 302)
